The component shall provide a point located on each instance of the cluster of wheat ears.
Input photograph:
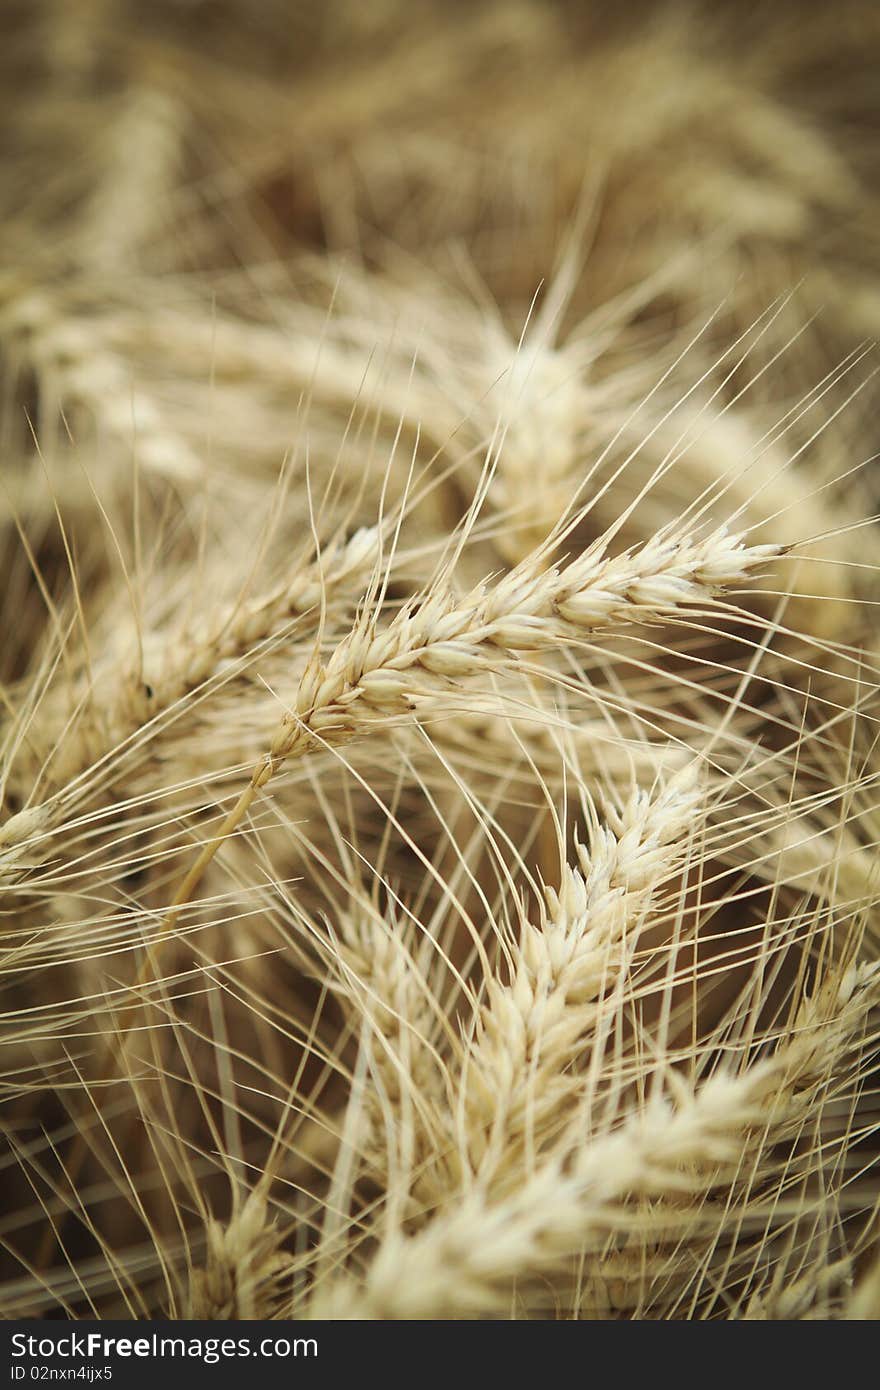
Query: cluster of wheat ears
(439, 660)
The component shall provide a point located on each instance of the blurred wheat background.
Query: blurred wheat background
(439, 659)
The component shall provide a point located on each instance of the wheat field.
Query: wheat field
(439, 654)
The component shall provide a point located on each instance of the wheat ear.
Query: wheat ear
(71, 360)
(464, 1261)
(140, 694)
(429, 644)
(518, 1071)
(386, 982)
(242, 1266)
